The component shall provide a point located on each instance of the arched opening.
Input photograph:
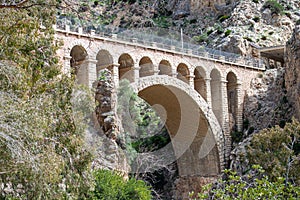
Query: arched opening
(104, 60)
(195, 139)
(165, 68)
(78, 65)
(146, 67)
(232, 98)
(216, 94)
(188, 128)
(183, 72)
(199, 82)
(126, 67)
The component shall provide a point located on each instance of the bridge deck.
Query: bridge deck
(251, 63)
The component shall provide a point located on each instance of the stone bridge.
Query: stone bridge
(202, 95)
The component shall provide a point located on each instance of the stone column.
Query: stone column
(225, 120)
(67, 64)
(136, 72)
(191, 80)
(89, 72)
(208, 92)
(239, 106)
(156, 71)
(224, 105)
(115, 74)
(174, 74)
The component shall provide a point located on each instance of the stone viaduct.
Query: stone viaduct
(202, 95)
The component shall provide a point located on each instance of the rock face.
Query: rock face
(257, 23)
(292, 66)
(190, 184)
(109, 155)
(104, 110)
(266, 103)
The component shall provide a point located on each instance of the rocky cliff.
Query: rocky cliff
(292, 68)
(231, 25)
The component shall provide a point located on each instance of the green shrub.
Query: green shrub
(251, 130)
(210, 31)
(162, 21)
(246, 124)
(248, 39)
(236, 136)
(227, 32)
(276, 151)
(223, 18)
(111, 185)
(274, 6)
(264, 37)
(253, 185)
(255, 1)
(201, 38)
(256, 19)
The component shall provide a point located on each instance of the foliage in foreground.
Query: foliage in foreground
(254, 185)
(110, 185)
(277, 151)
(41, 132)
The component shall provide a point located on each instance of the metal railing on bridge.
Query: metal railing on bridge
(152, 38)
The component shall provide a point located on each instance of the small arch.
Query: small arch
(232, 98)
(165, 68)
(146, 67)
(216, 94)
(183, 72)
(126, 67)
(78, 56)
(104, 60)
(199, 82)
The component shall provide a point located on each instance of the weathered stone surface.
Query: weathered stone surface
(266, 103)
(188, 184)
(102, 139)
(292, 67)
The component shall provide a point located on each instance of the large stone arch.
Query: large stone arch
(126, 67)
(216, 94)
(104, 60)
(146, 67)
(78, 63)
(196, 135)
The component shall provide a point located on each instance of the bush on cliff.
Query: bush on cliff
(254, 185)
(111, 185)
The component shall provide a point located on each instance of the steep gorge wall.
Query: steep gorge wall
(292, 66)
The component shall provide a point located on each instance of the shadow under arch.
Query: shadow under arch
(146, 67)
(183, 72)
(104, 60)
(165, 68)
(195, 133)
(232, 98)
(78, 65)
(199, 82)
(126, 67)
